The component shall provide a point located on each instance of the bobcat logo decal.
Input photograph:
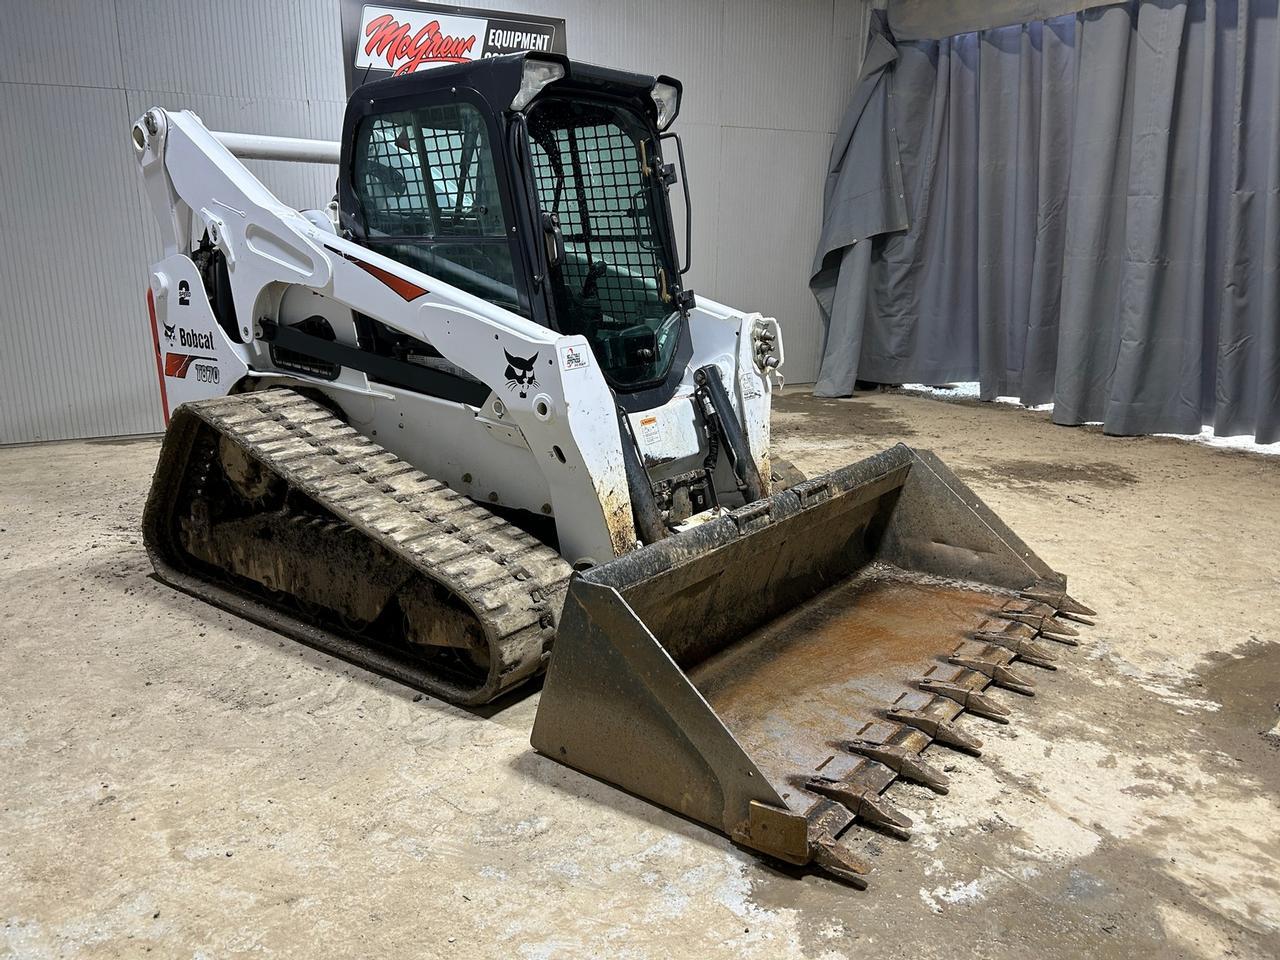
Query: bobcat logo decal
(169, 331)
(520, 374)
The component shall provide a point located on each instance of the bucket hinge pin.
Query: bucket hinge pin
(864, 803)
(905, 763)
(943, 731)
(975, 701)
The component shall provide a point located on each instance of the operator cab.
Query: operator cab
(538, 185)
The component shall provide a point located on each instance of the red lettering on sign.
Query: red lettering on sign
(391, 39)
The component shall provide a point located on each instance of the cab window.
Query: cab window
(429, 196)
(590, 165)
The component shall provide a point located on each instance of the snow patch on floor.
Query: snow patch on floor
(1241, 442)
(970, 391)
(965, 391)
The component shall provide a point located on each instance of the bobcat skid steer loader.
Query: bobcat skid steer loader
(470, 410)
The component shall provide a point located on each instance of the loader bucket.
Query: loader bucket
(771, 672)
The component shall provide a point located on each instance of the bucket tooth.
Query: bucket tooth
(1066, 641)
(1026, 650)
(975, 701)
(1035, 656)
(1058, 598)
(1001, 674)
(1013, 628)
(905, 763)
(1070, 607)
(1044, 623)
(1029, 626)
(1088, 621)
(1034, 607)
(864, 803)
(1043, 591)
(943, 731)
(841, 862)
(1055, 630)
(1070, 614)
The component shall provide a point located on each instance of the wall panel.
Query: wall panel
(76, 359)
(255, 50)
(62, 42)
(768, 217)
(765, 85)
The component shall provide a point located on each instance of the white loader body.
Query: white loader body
(546, 441)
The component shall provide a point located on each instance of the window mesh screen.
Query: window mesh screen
(428, 188)
(589, 175)
(394, 190)
(429, 172)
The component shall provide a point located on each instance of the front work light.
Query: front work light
(667, 97)
(537, 74)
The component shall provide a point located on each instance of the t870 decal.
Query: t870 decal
(177, 365)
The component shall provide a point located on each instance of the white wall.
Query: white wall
(765, 84)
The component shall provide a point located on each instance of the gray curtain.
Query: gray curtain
(1084, 211)
(935, 19)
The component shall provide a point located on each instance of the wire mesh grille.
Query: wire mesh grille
(429, 191)
(590, 175)
(429, 172)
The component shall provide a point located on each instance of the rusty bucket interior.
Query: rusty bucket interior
(818, 677)
(771, 672)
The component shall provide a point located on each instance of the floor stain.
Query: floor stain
(982, 893)
(1098, 906)
(1246, 682)
(818, 418)
(1040, 472)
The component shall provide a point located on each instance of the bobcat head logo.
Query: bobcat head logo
(169, 331)
(520, 373)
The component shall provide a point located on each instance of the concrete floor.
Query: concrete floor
(177, 782)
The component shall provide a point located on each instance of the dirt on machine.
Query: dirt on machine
(467, 426)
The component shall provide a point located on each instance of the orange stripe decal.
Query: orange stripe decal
(405, 288)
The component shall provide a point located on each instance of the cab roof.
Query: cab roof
(497, 79)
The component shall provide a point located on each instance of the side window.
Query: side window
(429, 192)
(588, 172)
(389, 179)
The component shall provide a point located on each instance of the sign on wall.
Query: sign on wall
(396, 37)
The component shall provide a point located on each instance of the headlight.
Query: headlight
(537, 74)
(667, 97)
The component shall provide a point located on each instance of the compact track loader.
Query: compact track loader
(470, 411)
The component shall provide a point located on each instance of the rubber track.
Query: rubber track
(513, 582)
